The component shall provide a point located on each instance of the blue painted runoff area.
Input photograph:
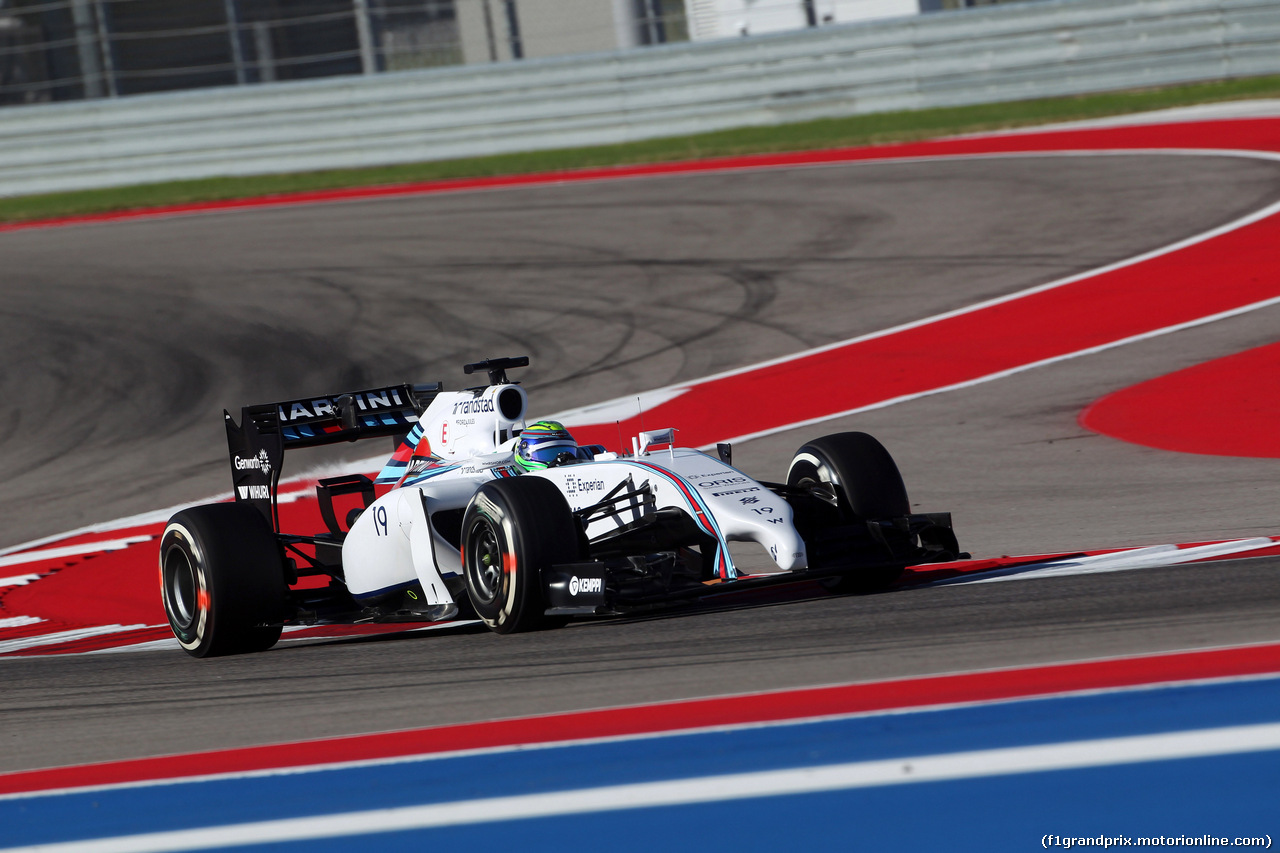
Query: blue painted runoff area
(1231, 795)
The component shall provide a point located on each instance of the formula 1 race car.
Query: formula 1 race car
(482, 515)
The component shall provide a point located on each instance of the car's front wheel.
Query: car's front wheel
(856, 479)
(511, 531)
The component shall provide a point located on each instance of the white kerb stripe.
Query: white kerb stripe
(72, 550)
(707, 789)
(53, 639)
(19, 580)
(1155, 556)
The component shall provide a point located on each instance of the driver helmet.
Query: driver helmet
(542, 443)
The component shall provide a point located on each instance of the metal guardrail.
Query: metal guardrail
(947, 59)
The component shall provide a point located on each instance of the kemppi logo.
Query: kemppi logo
(585, 585)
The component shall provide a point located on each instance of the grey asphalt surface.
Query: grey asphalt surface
(124, 342)
(100, 707)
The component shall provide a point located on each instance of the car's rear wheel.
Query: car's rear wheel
(857, 479)
(511, 531)
(222, 580)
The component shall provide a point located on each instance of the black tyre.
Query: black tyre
(222, 580)
(511, 531)
(857, 470)
(860, 480)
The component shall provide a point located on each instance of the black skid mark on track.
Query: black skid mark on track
(755, 292)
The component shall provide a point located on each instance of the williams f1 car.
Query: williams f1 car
(478, 514)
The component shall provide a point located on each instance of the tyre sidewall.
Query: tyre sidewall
(534, 529)
(865, 477)
(867, 485)
(178, 543)
(488, 508)
(238, 579)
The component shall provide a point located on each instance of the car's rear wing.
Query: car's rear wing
(257, 444)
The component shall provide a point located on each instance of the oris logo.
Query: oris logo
(585, 585)
(261, 462)
(727, 481)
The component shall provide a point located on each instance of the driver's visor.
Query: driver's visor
(547, 452)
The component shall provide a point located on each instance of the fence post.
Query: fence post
(104, 45)
(87, 48)
(364, 34)
(233, 34)
(263, 51)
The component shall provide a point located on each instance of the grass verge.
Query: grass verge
(876, 129)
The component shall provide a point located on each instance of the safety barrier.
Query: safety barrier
(1000, 53)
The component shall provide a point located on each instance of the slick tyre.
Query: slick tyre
(222, 580)
(858, 473)
(511, 531)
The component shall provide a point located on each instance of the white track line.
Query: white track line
(1102, 752)
(1218, 111)
(1002, 374)
(24, 643)
(148, 646)
(1136, 558)
(19, 580)
(19, 621)
(72, 550)
(285, 640)
(160, 516)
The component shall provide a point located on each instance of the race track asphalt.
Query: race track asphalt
(123, 342)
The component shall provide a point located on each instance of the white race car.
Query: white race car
(479, 512)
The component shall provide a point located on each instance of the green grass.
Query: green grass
(877, 129)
